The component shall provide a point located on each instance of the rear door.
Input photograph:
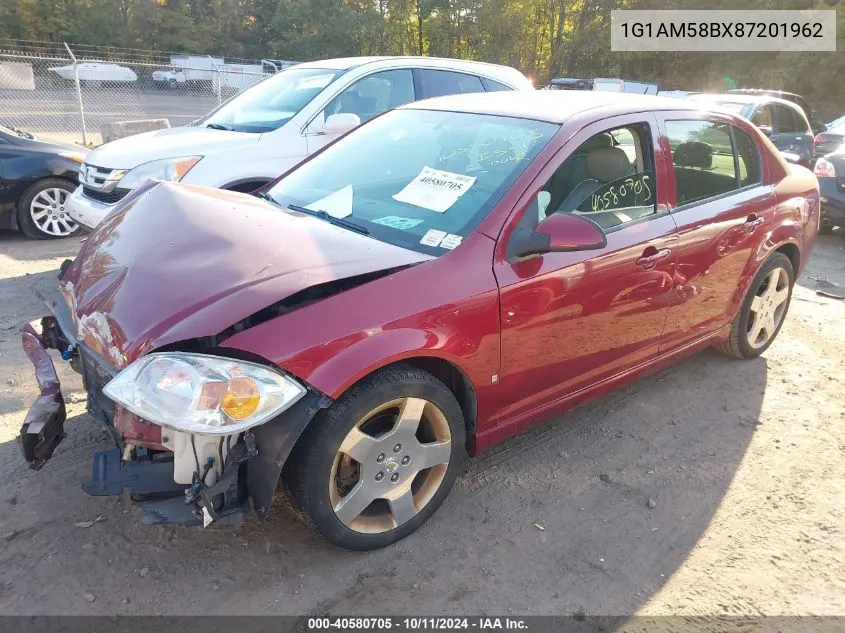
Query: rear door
(792, 132)
(571, 320)
(431, 82)
(723, 210)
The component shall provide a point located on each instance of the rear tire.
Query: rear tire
(42, 212)
(765, 307)
(397, 441)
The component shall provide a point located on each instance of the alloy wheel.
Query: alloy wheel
(768, 308)
(390, 465)
(48, 211)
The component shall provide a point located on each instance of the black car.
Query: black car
(36, 178)
(830, 171)
(830, 140)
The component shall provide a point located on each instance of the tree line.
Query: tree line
(543, 38)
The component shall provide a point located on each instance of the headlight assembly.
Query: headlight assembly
(173, 169)
(201, 394)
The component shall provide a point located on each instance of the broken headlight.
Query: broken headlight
(200, 394)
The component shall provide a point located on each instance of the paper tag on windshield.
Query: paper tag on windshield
(433, 237)
(337, 204)
(451, 241)
(435, 189)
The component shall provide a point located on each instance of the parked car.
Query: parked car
(272, 126)
(782, 121)
(830, 170)
(829, 141)
(815, 124)
(603, 84)
(497, 259)
(36, 179)
(837, 122)
(171, 78)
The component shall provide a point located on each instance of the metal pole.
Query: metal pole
(78, 93)
(219, 78)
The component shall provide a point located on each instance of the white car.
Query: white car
(264, 131)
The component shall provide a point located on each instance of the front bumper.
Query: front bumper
(43, 427)
(86, 212)
(251, 470)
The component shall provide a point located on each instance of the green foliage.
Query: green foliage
(543, 38)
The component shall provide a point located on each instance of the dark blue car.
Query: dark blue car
(36, 178)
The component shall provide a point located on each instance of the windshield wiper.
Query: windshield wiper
(218, 126)
(323, 215)
(266, 196)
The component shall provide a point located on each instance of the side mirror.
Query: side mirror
(338, 124)
(765, 129)
(561, 233)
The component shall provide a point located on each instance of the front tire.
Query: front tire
(378, 463)
(42, 210)
(763, 310)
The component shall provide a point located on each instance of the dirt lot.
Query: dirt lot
(744, 462)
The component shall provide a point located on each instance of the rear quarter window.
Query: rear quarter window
(494, 86)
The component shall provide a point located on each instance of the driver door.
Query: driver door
(365, 98)
(571, 320)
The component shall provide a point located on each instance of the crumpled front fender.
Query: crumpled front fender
(275, 441)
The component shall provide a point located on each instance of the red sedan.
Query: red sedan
(442, 278)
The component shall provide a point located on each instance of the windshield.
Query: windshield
(418, 179)
(736, 107)
(15, 132)
(271, 103)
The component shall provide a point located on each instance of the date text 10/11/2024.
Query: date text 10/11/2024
(416, 623)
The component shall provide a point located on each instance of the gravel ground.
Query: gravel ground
(714, 487)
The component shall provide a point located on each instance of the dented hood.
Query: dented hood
(177, 262)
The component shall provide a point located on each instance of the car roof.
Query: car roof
(741, 98)
(767, 92)
(494, 71)
(554, 106)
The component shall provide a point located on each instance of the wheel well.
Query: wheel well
(247, 186)
(455, 380)
(794, 255)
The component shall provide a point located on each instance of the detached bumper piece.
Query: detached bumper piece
(43, 427)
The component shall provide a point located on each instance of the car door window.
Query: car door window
(609, 179)
(747, 158)
(784, 120)
(763, 117)
(703, 159)
(494, 86)
(437, 83)
(374, 94)
(802, 126)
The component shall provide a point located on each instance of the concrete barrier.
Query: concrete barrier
(121, 129)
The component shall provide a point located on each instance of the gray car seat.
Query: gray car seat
(604, 165)
(574, 169)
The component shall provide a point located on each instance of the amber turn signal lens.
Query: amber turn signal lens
(242, 398)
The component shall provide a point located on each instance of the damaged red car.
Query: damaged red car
(443, 277)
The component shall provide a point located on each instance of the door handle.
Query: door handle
(753, 222)
(651, 256)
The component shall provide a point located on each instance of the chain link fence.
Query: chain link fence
(75, 94)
